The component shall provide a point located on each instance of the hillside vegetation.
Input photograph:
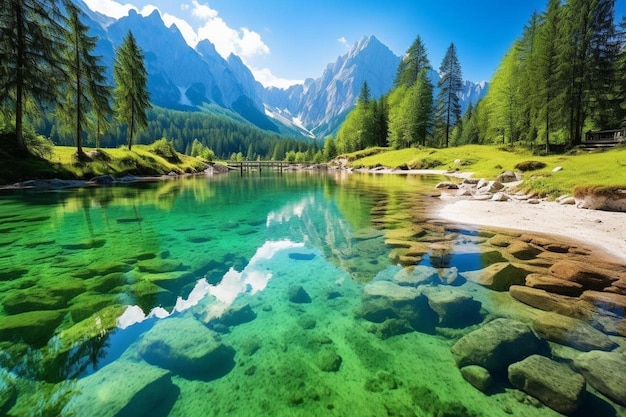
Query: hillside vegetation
(579, 169)
(61, 162)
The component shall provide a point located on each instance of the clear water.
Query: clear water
(229, 295)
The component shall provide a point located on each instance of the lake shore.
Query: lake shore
(602, 229)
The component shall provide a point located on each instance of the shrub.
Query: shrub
(530, 165)
(165, 149)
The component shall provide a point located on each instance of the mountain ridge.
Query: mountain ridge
(184, 78)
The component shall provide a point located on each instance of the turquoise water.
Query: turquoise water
(240, 296)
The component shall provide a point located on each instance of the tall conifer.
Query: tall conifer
(30, 39)
(131, 94)
(86, 89)
(450, 85)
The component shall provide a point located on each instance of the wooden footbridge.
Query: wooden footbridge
(260, 166)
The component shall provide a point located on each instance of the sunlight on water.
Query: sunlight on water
(302, 294)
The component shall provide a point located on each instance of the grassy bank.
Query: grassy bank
(580, 169)
(62, 162)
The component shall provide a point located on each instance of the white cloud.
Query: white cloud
(242, 42)
(344, 42)
(265, 77)
(203, 12)
(110, 7)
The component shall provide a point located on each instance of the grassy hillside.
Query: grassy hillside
(580, 169)
(61, 162)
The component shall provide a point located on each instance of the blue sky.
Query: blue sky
(286, 41)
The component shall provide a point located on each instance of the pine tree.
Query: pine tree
(84, 79)
(30, 39)
(548, 82)
(130, 94)
(423, 109)
(585, 62)
(450, 85)
(412, 64)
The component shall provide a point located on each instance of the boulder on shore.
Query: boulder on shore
(554, 384)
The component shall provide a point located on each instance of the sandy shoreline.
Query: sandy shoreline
(602, 229)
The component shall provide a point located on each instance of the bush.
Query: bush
(165, 149)
(530, 165)
(39, 146)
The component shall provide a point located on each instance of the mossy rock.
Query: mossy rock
(101, 270)
(89, 303)
(147, 296)
(32, 299)
(328, 360)
(34, 327)
(156, 266)
(172, 281)
(106, 283)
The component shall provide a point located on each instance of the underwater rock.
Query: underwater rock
(586, 274)
(32, 299)
(121, 389)
(34, 327)
(606, 372)
(499, 276)
(496, 345)
(392, 327)
(609, 302)
(440, 255)
(414, 276)
(155, 266)
(546, 301)
(479, 377)
(554, 384)
(571, 332)
(553, 284)
(384, 300)
(187, 348)
(522, 250)
(88, 303)
(297, 294)
(236, 315)
(455, 308)
(301, 256)
(307, 321)
(328, 360)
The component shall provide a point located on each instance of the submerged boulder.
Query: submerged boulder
(554, 384)
(479, 377)
(297, 294)
(571, 332)
(188, 348)
(454, 307)
(122, 388)
(606, 372)
(385, 300)
(496, 345)
(498, 276)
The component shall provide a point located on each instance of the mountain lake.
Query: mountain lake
(301, 294)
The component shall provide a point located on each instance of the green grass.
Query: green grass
(581, 169)
(63, 163)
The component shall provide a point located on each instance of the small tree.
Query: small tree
(131, 94)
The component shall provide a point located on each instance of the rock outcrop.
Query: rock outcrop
(606, 372)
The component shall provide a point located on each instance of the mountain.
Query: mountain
(179, 76)
(184, 78)
(321, 104)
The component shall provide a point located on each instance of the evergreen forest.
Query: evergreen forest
(564, 76)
